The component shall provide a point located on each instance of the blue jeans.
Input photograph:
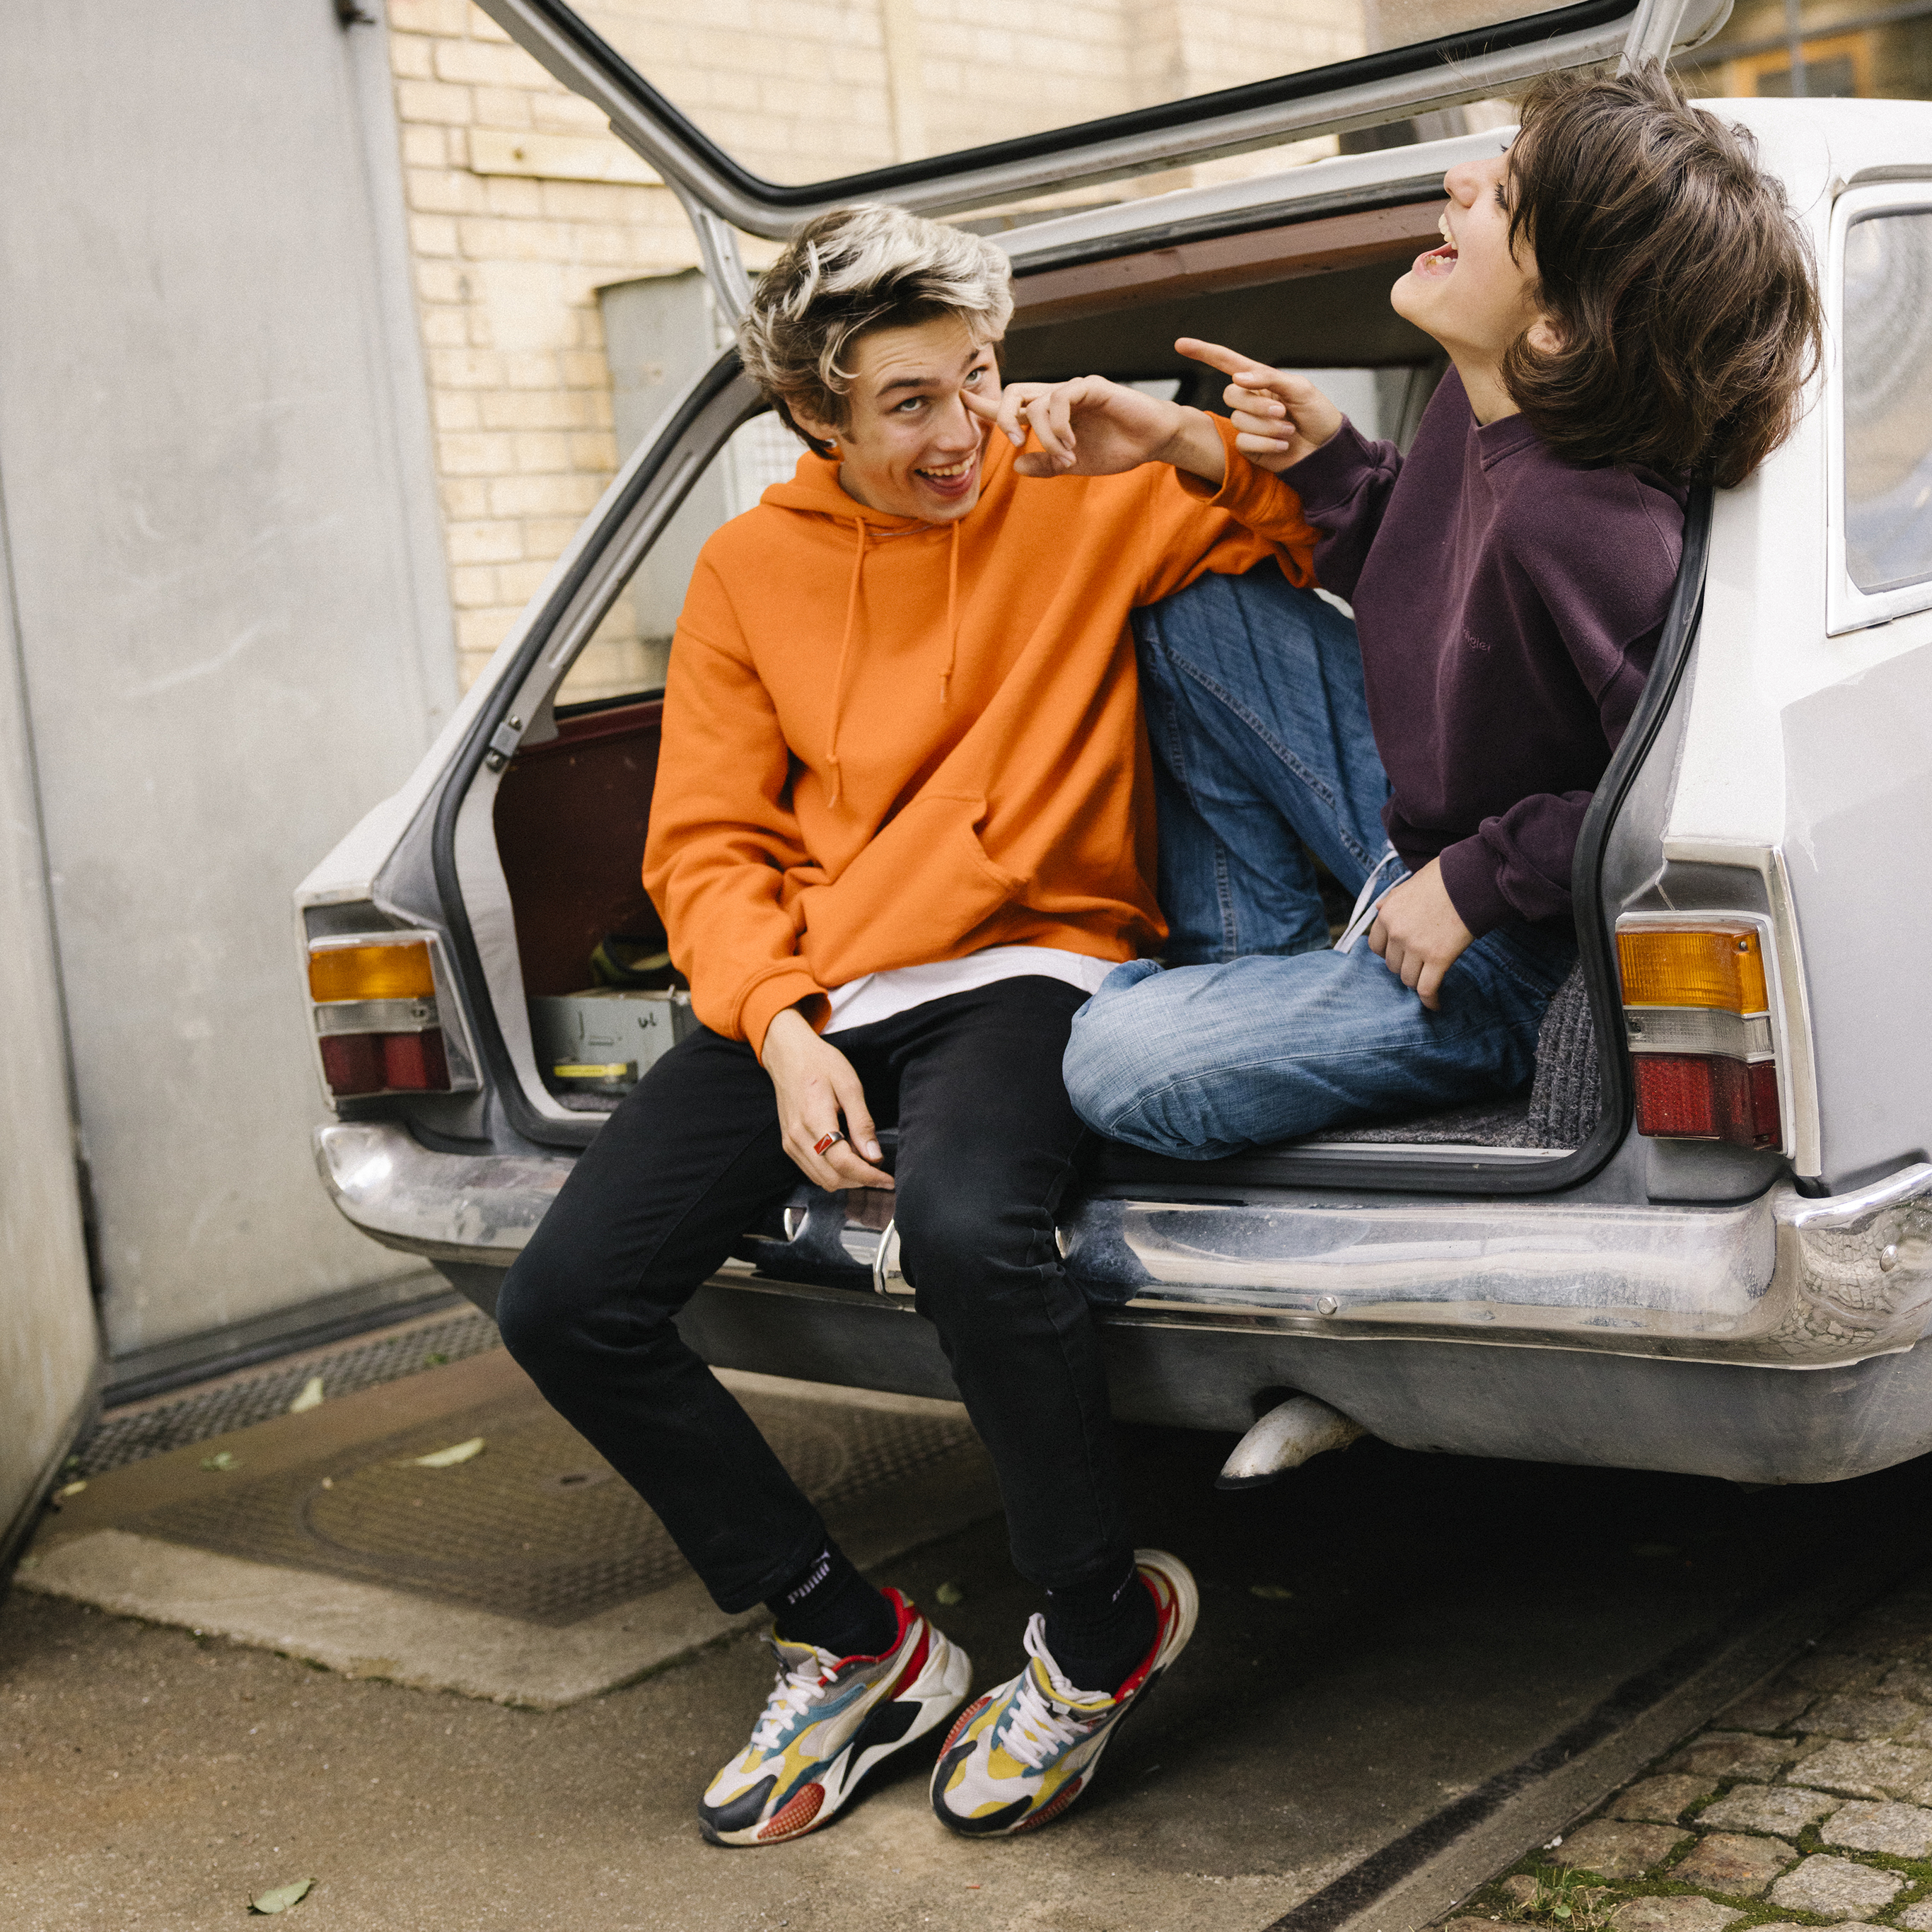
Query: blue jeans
(1257, 1031)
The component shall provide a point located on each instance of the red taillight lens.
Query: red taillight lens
(1707, 1097)
(384, 1063)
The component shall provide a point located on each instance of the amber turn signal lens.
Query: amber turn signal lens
(381, 971)
(1707, 966)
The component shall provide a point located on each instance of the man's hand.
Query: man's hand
(1278, 419)
(1418, 934)
(815, 1085)
(1090, 427)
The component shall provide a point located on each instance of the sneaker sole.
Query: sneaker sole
(933, 1696)
(1180, 1580)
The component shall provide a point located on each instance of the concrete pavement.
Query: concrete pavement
(1381, 1635)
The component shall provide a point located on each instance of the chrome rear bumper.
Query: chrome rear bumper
(1781, 1281)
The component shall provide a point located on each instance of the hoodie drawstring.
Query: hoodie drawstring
(845, 653)
(845, 641)
(952, 615)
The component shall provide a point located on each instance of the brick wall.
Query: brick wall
(508, 265)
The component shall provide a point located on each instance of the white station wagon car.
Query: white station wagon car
(1703, 1242)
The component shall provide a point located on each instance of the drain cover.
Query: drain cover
(537, 1526)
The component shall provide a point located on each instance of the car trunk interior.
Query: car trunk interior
(570, 813)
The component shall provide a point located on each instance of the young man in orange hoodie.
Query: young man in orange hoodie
(902, 828)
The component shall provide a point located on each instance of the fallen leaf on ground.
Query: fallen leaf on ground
(281, 1898)
(310, 1398)
(949, 1594)
(447, 1459)
(221, 1459)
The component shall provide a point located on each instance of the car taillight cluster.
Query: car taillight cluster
(376, 1015)
(1697, 1017)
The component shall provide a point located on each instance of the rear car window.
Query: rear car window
(817, 89)
(1888, 399)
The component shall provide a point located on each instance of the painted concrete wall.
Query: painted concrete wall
(47, 1342)
(231, 606)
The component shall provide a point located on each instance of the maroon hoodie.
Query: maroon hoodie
(1509, 605)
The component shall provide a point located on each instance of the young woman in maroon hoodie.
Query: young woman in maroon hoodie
(1627, 305)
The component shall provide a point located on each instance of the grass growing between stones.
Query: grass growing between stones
(1917, 1873)
(1599, 1897)
(1538, 1891)
(1871, 1683)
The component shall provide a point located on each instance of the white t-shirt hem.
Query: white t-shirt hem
(878, 996)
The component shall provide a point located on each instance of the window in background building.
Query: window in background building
(1881, 52)
(1834, 67)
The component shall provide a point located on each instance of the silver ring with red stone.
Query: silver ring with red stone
(827, 1142)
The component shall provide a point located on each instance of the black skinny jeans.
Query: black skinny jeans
(987, 1138)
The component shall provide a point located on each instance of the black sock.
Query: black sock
(1099, 1633)
(830, 1604)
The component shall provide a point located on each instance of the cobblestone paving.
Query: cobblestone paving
(1808, 1802)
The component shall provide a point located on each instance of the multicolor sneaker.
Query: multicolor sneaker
(1024, 1752)
(829, 1720)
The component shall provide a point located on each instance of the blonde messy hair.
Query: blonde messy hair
(847, 272)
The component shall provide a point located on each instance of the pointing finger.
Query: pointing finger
(1229, 362)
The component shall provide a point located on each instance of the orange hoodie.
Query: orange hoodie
(889, 743)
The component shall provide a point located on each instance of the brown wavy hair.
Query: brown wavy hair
(1680, 288)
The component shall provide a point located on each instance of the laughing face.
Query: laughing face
(911, 448)
(1472, 294)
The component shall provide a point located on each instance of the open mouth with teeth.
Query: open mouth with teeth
(1438, 261)
(953, 479)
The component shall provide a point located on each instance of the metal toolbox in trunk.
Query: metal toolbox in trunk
(604, 1040)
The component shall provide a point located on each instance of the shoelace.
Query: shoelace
(793, 1694)
(1038, 1725)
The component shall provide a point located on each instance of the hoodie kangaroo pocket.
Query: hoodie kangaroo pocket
(910, 898)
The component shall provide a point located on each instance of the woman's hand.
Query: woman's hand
(1278, 419)
(815, 1085)
(1419, 935)
(1090, 427)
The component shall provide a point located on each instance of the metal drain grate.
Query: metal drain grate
(122, 1439)
(535, 1527)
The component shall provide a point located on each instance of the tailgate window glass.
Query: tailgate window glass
(628, 652)
(1888, 399)
(824, 88)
